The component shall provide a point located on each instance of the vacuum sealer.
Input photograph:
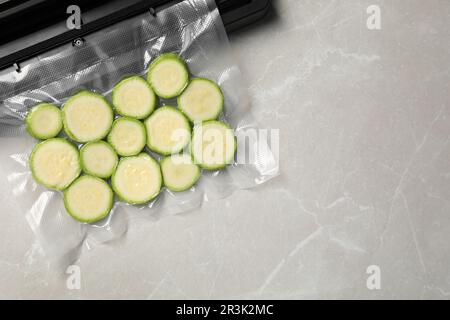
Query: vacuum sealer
(31, 27)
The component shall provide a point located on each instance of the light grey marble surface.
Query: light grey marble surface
(364, 119)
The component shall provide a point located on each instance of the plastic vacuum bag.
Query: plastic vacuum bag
(192, 28)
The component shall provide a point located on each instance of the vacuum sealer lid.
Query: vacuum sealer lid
(36, 26)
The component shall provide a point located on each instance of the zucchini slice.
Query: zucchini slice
(168, 75)
(179, 172)
(133, 97)
(168, 131)
(44, 121)
(87, 117)
(213, 145)
(98, 159)
(127, 136)
(137, 179)
(88, 199)
(202, 100)
(55, 163)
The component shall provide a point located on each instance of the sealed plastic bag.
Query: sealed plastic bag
(192, 29)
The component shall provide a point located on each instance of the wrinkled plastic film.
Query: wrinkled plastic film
(193, 29)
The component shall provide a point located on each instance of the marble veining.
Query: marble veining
(364, 119)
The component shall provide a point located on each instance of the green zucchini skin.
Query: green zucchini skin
(100, 216)
(161, 59)
(39, 108)
(184, 108)
(33, 168)
(129, 180)
(85, 166)
(143, 133)
(123, 162)
(199, 161)
(66, 125)
(120, 110)
(151, 145)
(173, 187)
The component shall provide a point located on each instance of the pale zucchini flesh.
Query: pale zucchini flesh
(87, 117)
(213, 145)
(98, 159)
(202, 100)
(179, 172)
(137, 179)
(127, 136)
(168, 131)
(133, 97)
(88, 199)
(168, 75)
(44, 121)
(55, 163)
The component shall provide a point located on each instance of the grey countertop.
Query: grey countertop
(364, 119)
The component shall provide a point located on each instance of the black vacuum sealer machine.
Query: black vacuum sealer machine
(32, 27)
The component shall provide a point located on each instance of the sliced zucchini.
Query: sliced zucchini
(44, 121)
(127, 136)
(98, 159)
(133, 97)
(213, 145)
(88, 199)
(168, 75)
(55, 163)
(179, 172)
(168, 131)
(202, 100)
(137, 179)
(87, 117)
